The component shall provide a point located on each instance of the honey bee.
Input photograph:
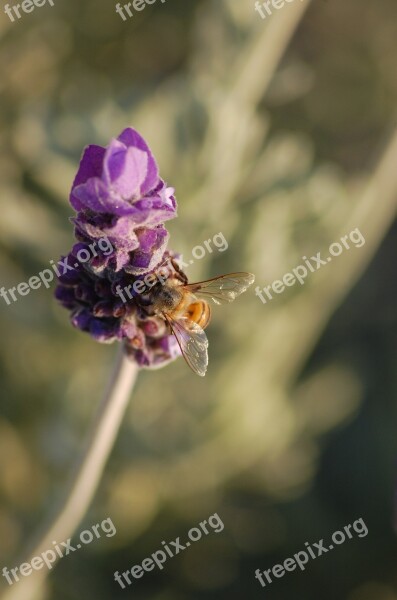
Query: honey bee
(185, 308)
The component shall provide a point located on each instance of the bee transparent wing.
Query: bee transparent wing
(222, 289)
(192, 341)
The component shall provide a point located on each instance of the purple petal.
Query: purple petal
(93, 195)
(81, 320)
(66, 296)
(90, 166)
(125, 170)
(104, 330)
(131, 138)
(147, 239)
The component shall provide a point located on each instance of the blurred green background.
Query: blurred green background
(281, 135)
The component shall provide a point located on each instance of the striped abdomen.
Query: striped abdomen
(199, 312)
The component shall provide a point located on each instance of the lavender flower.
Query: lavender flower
(118, 195)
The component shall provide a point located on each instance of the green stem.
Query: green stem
(85, 480)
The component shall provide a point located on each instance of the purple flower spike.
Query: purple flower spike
(117, 190)
(121, 206)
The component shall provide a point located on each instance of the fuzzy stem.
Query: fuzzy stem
(86, 478)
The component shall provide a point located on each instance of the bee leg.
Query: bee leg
(179, 270)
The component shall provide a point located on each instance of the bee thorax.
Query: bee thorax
(167, 298)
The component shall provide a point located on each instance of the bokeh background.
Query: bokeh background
(281, 134)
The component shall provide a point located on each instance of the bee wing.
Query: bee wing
(222, 289)
(192, 341)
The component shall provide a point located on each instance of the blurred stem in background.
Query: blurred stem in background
(248, 83)
(86, 478)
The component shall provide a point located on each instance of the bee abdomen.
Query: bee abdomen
(199, 312)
